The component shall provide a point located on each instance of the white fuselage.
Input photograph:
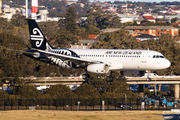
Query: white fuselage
(121, 59)
(93, 60)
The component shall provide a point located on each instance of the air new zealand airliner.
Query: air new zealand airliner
(94, 60)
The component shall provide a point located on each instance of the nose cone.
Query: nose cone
(167, 63)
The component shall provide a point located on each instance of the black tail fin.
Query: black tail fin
(38, 40)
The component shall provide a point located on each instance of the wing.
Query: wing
(20, 51)
(76, 60)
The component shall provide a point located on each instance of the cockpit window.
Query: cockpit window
(158, 56)
(161, 56)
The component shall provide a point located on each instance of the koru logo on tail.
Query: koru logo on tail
(37, 36)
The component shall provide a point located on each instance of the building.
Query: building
(149, 17)
(172, 16)
(154, 30)
(133, 33)
(128, 17)
(162, 20)
(8, 13)
(84, 44)
(145, 37)
(108, 30)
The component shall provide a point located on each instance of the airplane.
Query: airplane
(94, 60)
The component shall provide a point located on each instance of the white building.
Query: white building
(8, 13)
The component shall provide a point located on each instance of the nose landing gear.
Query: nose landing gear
(148, 78)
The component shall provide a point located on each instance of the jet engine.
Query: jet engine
(98, 68)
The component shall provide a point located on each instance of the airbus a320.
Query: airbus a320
(127, 61)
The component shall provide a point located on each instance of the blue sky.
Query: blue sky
(139, 0)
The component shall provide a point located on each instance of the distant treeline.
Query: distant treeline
(95, 87)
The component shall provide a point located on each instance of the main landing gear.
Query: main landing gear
(148, 78)
(86, 76)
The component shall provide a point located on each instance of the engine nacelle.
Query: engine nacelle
(98, 68)
(133, 73)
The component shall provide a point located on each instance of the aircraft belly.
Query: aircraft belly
(134, 64)
(131, 65)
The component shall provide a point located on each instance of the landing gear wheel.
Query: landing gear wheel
(86, 76)
(148, 79)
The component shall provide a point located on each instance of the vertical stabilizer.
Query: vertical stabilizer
(38, 40)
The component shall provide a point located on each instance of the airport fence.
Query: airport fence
(83, 104)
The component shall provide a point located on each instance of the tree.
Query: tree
(5, 26)
(18, 20)
(92, 16)
(4, 95)
(92, 30)
(82, 32)
(99, 82)
(60, 91)
(27, 91)
(83, 1)
(173, 20)
(118, 88)
(71, 16)
(64, 39)
(171, 90)
(87, 90)
(11, 41)
(108, 21)
(49, 28)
